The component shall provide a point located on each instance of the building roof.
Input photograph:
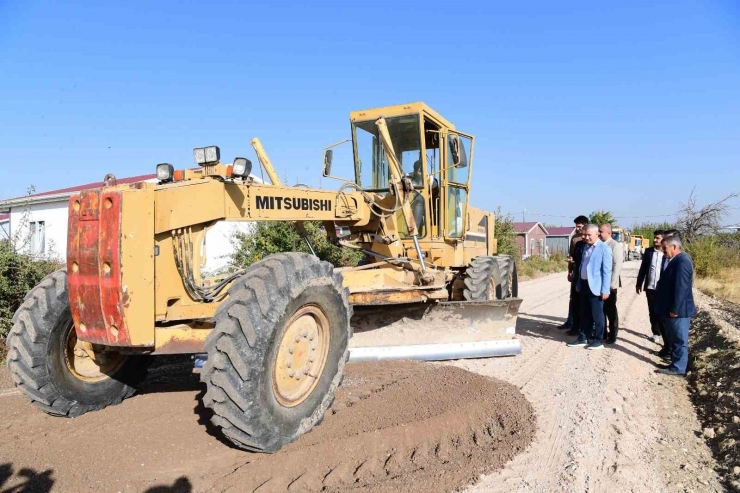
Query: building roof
(64, 193)
(522, 228)
(87, 186)
(560, 231)
(4, 217)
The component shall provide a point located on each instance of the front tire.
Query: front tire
(51, 367)
(491, 278)
(277, 353)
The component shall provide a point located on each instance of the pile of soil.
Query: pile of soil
(714, 382)
(397, 426)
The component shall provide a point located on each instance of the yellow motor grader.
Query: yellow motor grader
(277, 334)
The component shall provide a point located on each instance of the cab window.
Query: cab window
(458, 151)
(371, 169)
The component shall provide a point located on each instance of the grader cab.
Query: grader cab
(277, 334)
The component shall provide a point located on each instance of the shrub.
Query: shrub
(537, 266)
(19, 273)
(717, 265)
(713, 254)
(270, 237)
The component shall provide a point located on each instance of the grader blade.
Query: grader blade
(435, 331)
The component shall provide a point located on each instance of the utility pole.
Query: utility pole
(524, 220)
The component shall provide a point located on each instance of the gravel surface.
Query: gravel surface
(715, 383)
(604, 422)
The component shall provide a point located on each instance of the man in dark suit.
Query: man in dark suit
(573, 258)
(575, 301)
(674, 302)
(647, 280)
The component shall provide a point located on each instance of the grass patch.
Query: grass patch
(725, 285)
(535, 266)
(717, 265)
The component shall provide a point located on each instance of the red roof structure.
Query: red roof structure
(87, 186)
(524, 227)
(561, 231)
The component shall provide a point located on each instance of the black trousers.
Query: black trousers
(575, 305)
(612, 316)
(656, 323)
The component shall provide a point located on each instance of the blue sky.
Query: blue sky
(576, 106)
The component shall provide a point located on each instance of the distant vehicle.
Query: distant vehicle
(636, 247)
(622, 236)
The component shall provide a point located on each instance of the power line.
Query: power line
(615, 217)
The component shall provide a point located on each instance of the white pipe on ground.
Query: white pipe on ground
(437, 352)
(423, 352)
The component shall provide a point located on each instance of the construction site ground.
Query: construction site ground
(552, 419)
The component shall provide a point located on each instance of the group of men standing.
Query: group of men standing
(666, 276)
(594, 271)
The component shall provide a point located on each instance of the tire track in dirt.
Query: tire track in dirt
(579, 439)
(398, 426)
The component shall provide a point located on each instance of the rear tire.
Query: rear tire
(42, 363)
(259, 400)
(491, 278)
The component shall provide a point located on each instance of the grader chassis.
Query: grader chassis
(276, 334)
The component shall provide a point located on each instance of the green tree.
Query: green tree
(19, 273)
(505, 235)
(602, 217)
(270, 237)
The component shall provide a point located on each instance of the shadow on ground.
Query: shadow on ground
(181, 485)
(171, 374)
(30, 481)
(545, 326)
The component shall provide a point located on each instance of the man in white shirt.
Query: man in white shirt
(647, 280)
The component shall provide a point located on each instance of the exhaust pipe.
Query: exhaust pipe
(437, 352)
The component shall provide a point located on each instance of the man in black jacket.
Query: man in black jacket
(674, 302)
(647, 280)
(573, 307)
(573, 277)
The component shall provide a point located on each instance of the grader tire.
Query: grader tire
(491, 278)
(287, 308)
(43, 365)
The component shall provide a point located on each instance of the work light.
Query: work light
(241, 167)
(207, 155)
(165, 172)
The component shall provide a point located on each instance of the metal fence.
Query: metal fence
(558, 244)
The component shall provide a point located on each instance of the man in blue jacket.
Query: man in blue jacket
(593, 286)
(674, 302)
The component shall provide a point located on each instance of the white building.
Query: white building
(37, 224)
(4, 227)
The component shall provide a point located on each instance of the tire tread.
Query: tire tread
(235, 357)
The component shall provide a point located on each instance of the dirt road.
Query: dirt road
(604, 422)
